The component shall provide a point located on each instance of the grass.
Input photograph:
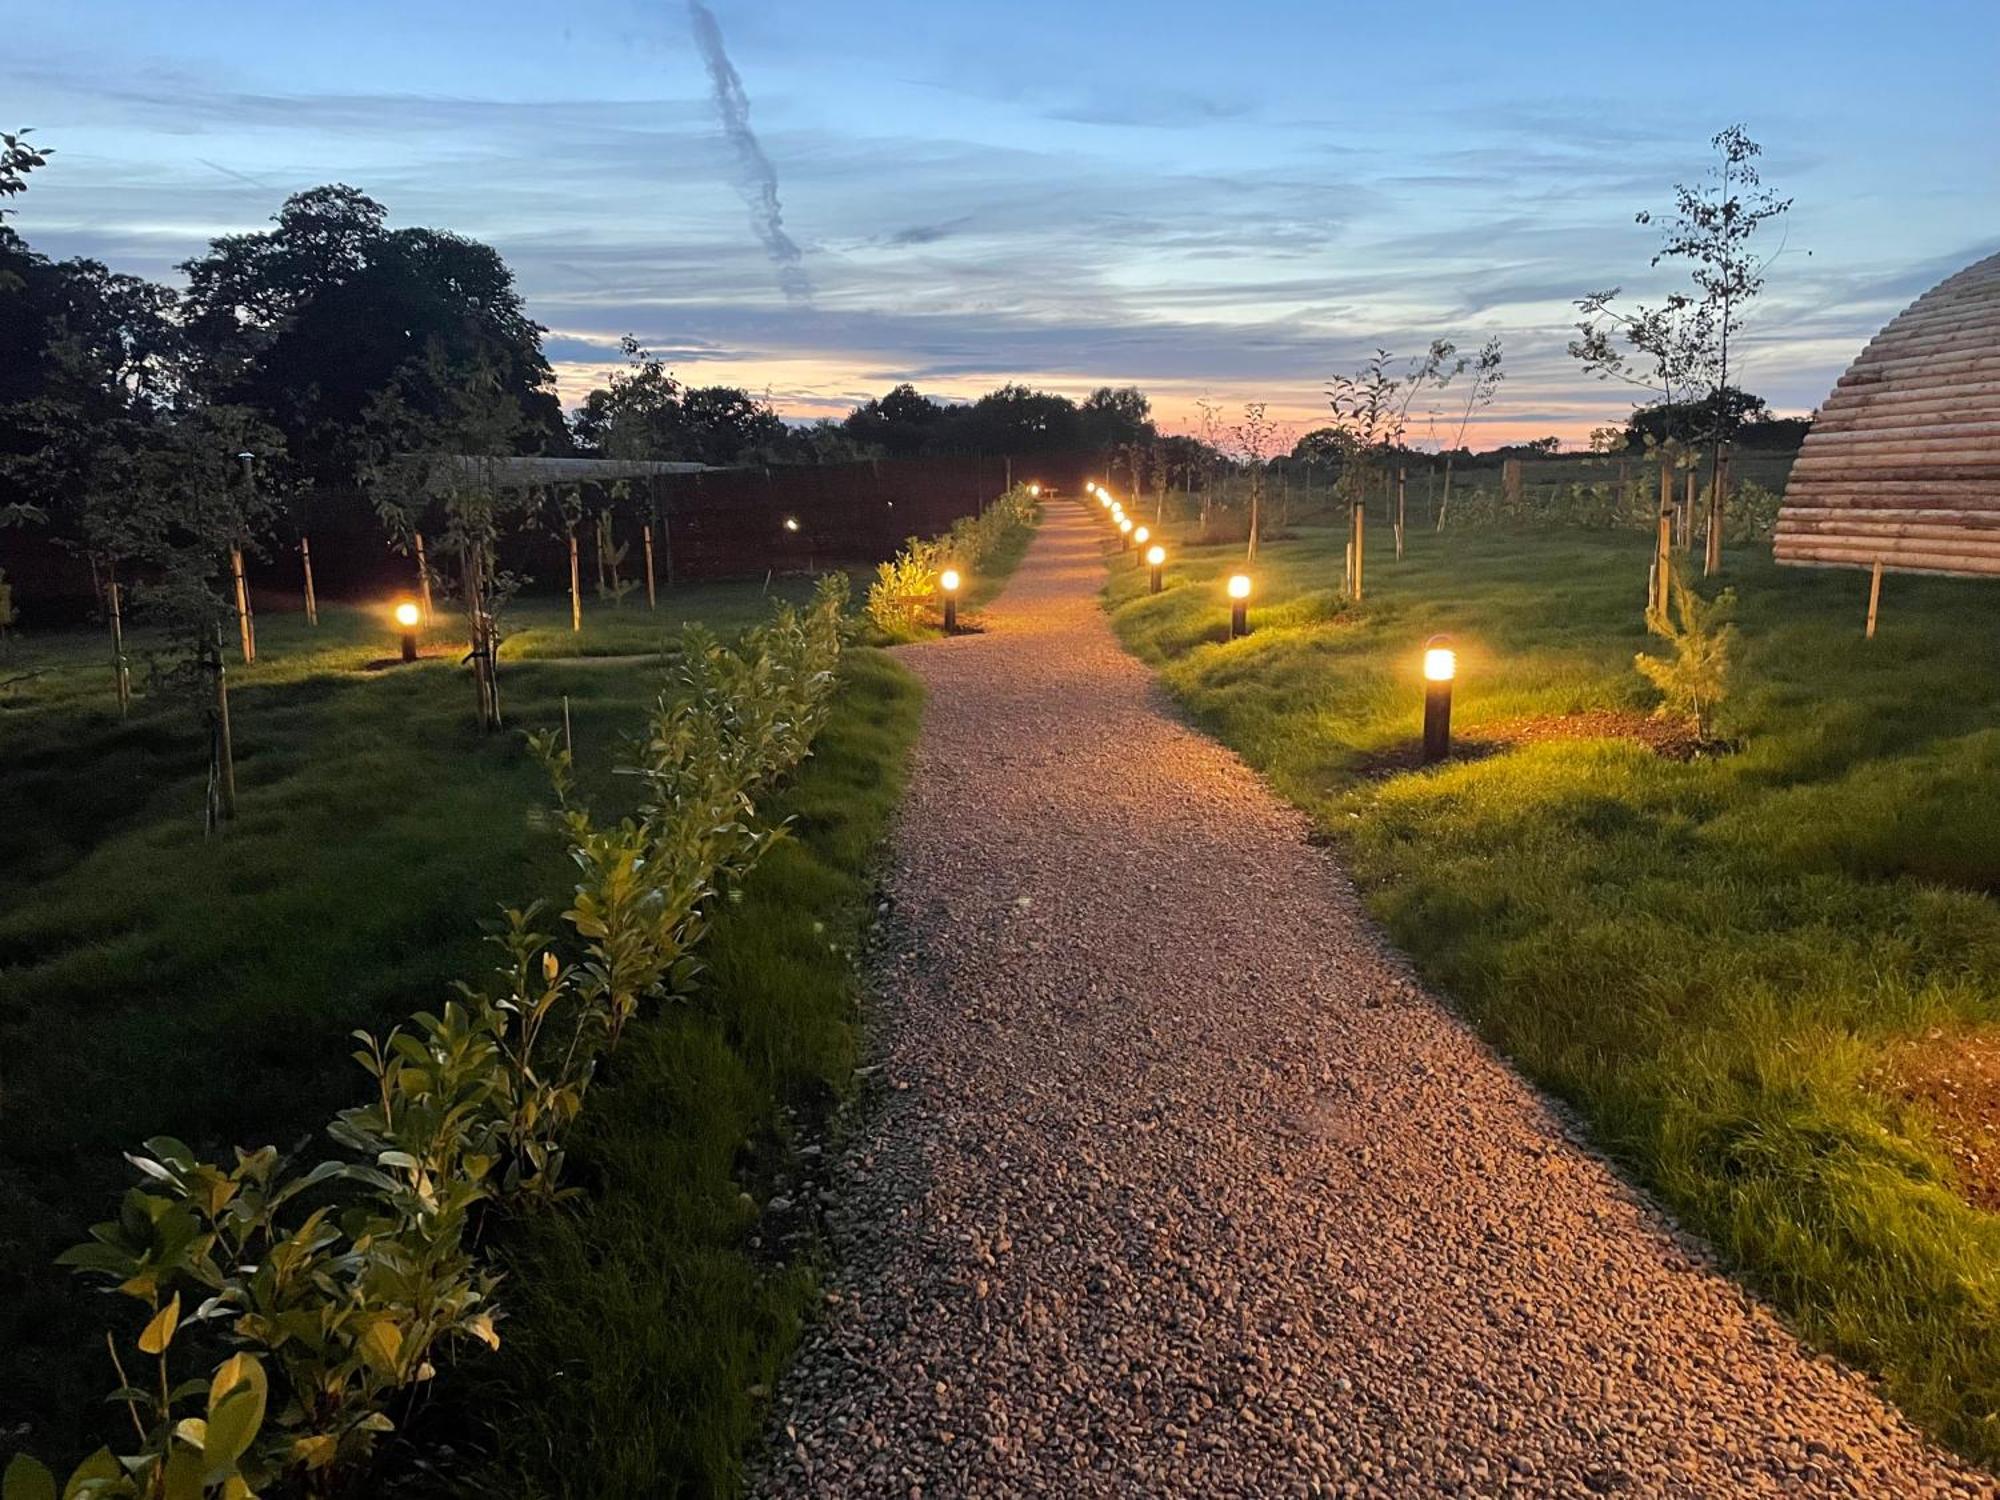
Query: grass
(153, 981)
(642, 1326)
(1708, 959)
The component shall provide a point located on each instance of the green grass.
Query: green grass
(639, 1324)
(154, 981)
(1708, 959)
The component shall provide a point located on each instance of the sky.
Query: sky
(1221, 202)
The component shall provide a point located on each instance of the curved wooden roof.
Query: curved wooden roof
(1903, 463)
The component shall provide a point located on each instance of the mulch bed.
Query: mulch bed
(1671, 739)
(1953, 1077)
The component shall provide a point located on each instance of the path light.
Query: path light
(1239, 605)
(407, 616)
(1156, 559)
(1124, 532)
(1140, 537)
(1440, 667)
(948, 580)
(1035, 491)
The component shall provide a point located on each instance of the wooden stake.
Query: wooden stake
(1360, 540)
(246, 628)
(1402, 476)
(423, 581)
(1874, 597)
(312, 600)
(652, 594)
(222, 751)
(121, 674)
(575, 585)
(1717, 496)
(1663, 546)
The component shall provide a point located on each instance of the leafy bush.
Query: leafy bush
(1693, 681)
(337, 1287)
(906, 586)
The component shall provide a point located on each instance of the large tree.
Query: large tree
(310, 321)
(644, 412)
(1114, 416)
(901, 423)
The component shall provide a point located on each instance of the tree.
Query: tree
(1256, 441)
(902, 423)
(310, 321)
(1016, 419)
(1686, 422)
(89, 356)
(1682, 350)
(1113, 417)
(1367, 413)
(432, 434)
(1479, 391)
(18, 157)
(189, 505)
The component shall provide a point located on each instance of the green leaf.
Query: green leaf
(236, 1399)
(100, 1466)
(381, 1344)
(27, 1479)
(182, 1474)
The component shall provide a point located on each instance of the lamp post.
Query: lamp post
(1440, 667)
(1239, 605)
(1156, 559)
(407, 616)
(948, 580)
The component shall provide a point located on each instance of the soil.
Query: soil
(1953, 1079)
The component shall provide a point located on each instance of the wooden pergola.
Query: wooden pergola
(1901, 471)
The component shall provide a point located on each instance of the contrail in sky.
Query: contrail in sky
(756, 178)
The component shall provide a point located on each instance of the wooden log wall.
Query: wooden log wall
(1903, 464)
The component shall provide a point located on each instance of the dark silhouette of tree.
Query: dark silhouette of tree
(1116, 416)
(308, 322)
(902, 423)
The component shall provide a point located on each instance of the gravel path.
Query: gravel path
(1177, 1184)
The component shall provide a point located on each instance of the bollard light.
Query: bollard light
(1124, 532)
(407, 616)
(1156, 559)
(948, 580)
(1035, 491)
(1440, 667)
(1141, 536)
(1239, 605)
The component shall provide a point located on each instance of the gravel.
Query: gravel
(1172, 1181)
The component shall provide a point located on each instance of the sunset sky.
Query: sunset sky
(1230, 200)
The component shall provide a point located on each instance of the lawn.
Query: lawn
(1716, 960)
(153, 980)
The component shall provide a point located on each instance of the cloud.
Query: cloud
(757, 178)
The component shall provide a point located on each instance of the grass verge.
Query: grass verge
(1710, 959)
(643, 1324)
(155, 981)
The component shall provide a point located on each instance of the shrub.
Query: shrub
(337, 1287)
(1694, 680)
(905, 586)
